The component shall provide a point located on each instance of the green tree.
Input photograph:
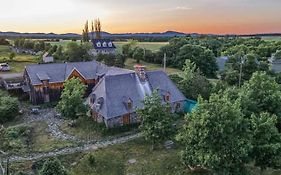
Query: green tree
(138, 54)
(201, 56)
(85, 33)
(277, 55)
(9, 107)
(193, 84)
(71, 103)
(53, 167)
(59, 55)
(156, 119)
(266, 142)
(261, 94)
(216, 136)
(98, 28)
(12, 56)
(75, 52)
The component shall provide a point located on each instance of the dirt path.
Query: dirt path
(54, 123)
(84, 148)
(11, 75)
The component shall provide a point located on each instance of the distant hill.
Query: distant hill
(78, 36)
(167, 34)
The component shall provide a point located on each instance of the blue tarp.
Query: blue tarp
(189, 105)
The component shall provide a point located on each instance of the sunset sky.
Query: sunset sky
(120, 16)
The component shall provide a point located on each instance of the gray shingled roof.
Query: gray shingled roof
(115, 88)
(59, 72)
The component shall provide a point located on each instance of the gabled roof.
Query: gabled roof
(115, 88)
(59, 72)
(103, 44)
(43, 76)
(47, 54)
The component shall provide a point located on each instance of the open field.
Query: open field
(115, 160)
(272, 38)
(154, 46)
(18, 63)
(129, 64)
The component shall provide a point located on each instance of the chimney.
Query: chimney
(140, 71)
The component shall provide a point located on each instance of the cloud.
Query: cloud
(179, 8)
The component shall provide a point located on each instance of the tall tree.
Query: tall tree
(215, 136)
(192, 83)
(92, 30)
(266, 142)
(98, 28)
(85, 33)
(261, 94)
(204, 58)
(156, 119)
(71, 104)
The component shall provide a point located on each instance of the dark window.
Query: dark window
(130, 104)
(167, 97)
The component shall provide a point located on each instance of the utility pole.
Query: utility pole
(165, 57)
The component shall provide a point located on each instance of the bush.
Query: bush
(92, 159)
(9, 107)
(53, 167)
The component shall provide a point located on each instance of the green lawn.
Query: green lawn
(18, 63)
(114, 160)
(129, 64)
(153, 46)
(62, 43)
(38, 139)
(272, 38)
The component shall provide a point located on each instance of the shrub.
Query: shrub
(91, 159)
(9, 107)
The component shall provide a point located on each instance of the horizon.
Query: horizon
(240, 17)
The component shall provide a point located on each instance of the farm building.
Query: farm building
(44, 82)
(115, 98)
(102, 46)
(47, 58)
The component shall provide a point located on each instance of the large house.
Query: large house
(116, 97)
(102, 46)
(44, 82)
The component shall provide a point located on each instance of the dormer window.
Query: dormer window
(99, 103)
(130, 104)
(167, 97)
(104, 44)
(98, 44)
(110, 44)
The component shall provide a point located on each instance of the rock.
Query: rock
(74, 163)
(169, 144)
(132, 161)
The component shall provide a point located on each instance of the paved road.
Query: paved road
(11, 75)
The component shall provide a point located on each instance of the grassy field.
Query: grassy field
(154, 46)
(18, 63)
(272, 38)
(129, 64)
(38, 139)
(114, 160)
